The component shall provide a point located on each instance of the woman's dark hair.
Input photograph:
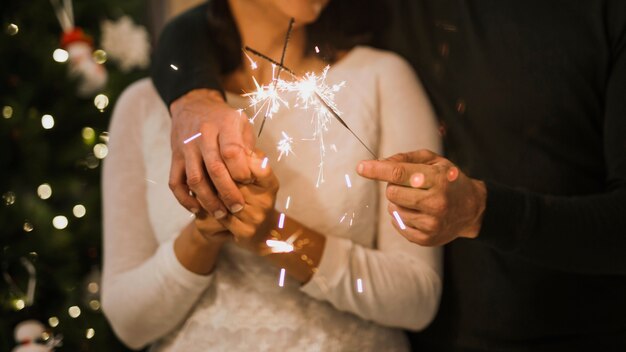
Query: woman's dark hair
(342, 25)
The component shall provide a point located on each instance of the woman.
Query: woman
(180, 282)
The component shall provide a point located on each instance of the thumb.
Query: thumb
(262, 172)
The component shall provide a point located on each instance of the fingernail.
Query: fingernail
(236, 208)
(453, 174)
(417, 180)
(219, 214)
(360, 168)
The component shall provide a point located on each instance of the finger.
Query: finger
(420, 175)
(407, 197)
(237, 227)
(262, 172)
(424, 223)
(411, 234)
(422, 156)
(233, 149)
(219, 175)
(199, 184)
(178, 185)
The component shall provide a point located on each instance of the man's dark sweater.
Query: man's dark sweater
(532, 99)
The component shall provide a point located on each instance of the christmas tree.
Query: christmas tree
(52, 142)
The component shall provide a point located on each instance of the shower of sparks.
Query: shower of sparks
(281, 279)
(264, 163)
(174, 67)
(348, 182)
(277, 246)
(284, 145)
(287, 202)
(399, 220)
(192, 137)
(281, 221)
(266, 99)
(312, 93)
(359, 285)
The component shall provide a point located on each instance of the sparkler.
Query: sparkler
(312, 92)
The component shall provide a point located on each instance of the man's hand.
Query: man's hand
(435, 201)
(210, 164)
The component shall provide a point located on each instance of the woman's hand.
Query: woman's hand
(252, 225)
(198, 246)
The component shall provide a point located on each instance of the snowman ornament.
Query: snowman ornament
(31, 336)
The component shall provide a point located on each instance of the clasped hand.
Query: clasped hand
(252, 224)
(436, 202)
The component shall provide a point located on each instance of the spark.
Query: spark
(281, 221)
(253, 64)
(151, 181)
(317, 50)
(284, 145)
(281, 279)
(277, 246)
(399, 220)
(352, 219)
(174, 67)
(192, 137)
(264, 163)
(343, 217)
(348, 182)
(287, 203)
(333, 148)
(359, 285)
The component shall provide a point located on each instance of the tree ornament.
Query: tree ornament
(79, 46)
(31, 336)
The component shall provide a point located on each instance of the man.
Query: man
(532, 101)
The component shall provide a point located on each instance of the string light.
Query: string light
(79, 210)
(9, 198)
(174, 67)
(89, 334)
(101, 101)
(19, 304)
(100, 150)
(60, 55)
(60, 222)
(94, 304)
(47, 121)
(53, 322)
(99, 56)
(44, 191)
(73, 311)
(7, 112)
(12, 29)
(28, 227)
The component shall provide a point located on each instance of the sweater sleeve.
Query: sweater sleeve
(401, 282)
(584, 234)
(184, 58)
(146, 291)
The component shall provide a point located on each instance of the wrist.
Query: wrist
(478, 205)
(196, 94)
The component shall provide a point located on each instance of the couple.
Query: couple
(519, 107)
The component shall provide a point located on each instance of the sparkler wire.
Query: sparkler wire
(280, 66)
